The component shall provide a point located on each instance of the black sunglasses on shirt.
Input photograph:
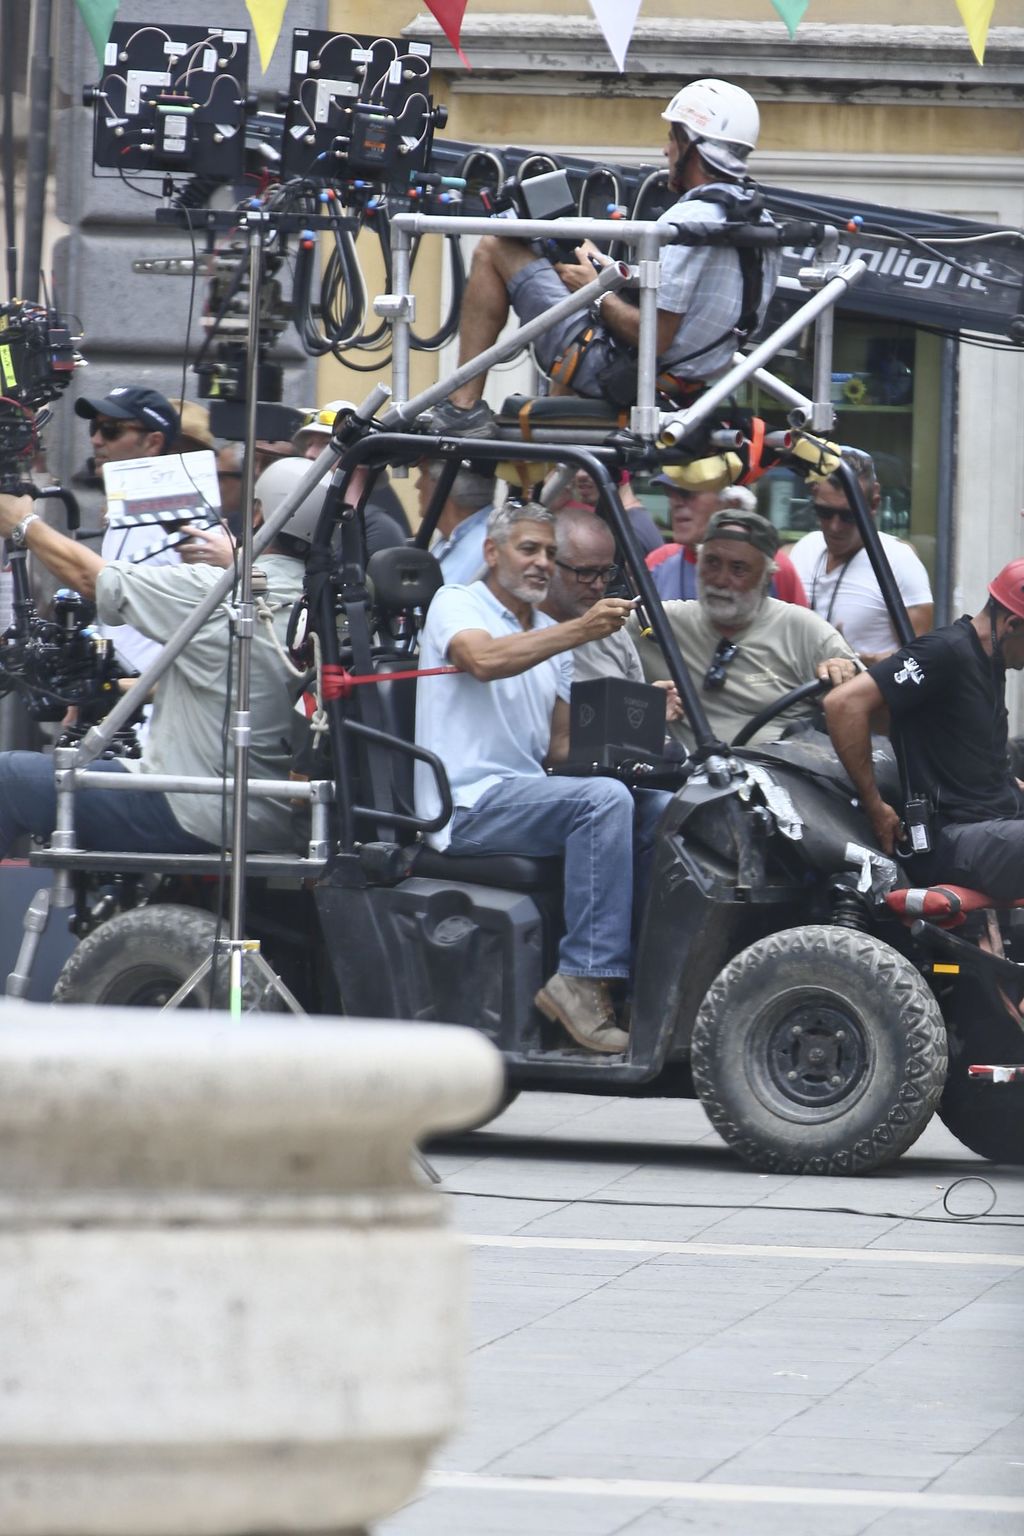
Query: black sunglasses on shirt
(715, 676)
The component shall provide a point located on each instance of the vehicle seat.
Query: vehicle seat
(524, 415)
(403, 581)
(944, 905)
(510, 871)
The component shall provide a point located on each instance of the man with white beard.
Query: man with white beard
(744, 648)
(498, 725)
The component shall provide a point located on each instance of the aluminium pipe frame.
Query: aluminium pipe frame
(648, 237)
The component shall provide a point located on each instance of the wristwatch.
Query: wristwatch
(19, 532)
(595, 308)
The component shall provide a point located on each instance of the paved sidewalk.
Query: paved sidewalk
(655, 1351)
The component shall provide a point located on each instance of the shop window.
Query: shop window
(885, 389)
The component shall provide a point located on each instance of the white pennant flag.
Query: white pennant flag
(616, 18)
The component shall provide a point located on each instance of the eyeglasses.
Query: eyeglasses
(714, 677)
(844, 514)
(110, 431)
(588, 574)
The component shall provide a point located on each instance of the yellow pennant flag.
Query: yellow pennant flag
(976, 16)
(267, 16)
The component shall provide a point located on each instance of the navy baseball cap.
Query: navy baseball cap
(669, 484)
(134, 403)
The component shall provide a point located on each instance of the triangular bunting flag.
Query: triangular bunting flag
(267, 16)
(616, 18)
(977, 14)
(792, 13)
(449, 14)
(98, 16)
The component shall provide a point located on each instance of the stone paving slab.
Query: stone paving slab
(790, 1387)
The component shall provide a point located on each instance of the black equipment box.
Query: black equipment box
(613, 722)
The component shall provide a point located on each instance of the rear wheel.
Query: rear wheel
(819, 1050)
(140, 958)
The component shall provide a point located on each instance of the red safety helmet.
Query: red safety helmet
(1008, 587)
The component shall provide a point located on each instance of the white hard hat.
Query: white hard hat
(279, 481)
(720, 119)
(321, 421)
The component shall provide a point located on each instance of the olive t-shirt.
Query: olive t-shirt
(946, 700)
(779, 650)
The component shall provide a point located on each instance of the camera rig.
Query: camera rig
(62, 661)
(37, 358)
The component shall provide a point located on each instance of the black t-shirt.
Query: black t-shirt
(946, 700)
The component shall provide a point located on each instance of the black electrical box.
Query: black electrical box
(613, 722)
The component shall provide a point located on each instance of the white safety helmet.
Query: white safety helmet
(720, 119)
(279, 481)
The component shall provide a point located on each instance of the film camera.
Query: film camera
(536, 192)
(37, 358)
(63, 660)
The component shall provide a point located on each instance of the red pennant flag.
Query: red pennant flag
(449, 14)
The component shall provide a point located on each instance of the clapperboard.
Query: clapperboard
(173, 492)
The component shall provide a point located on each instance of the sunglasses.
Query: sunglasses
(110, 431)
(714, 677)
(844, 514)
(590, 573)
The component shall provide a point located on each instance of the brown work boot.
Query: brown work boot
(582, 1005)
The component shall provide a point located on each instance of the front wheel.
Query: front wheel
(819, 1050)
(140, 958)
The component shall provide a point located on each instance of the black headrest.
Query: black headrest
(403, 577)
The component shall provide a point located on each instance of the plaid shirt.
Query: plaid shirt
(703, 284)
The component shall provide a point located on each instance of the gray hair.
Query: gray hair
(469, 489)
(503, 519)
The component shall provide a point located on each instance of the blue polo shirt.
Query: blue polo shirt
(461, 554)
(482, 732)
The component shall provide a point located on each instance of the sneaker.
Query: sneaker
(450, 420)
(583, 1006)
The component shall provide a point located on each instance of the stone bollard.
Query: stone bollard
(228, 1304)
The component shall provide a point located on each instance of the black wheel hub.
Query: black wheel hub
(816, 1054)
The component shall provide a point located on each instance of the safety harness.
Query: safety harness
(744, 204)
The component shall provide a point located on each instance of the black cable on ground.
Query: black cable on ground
(951, 1220)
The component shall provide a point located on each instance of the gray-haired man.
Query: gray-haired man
(462, 526)
(498, 725)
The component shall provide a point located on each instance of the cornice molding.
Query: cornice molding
(823, 60)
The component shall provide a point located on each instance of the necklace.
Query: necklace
(819, 574)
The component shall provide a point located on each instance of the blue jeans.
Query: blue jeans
(114, 821)
(591, 821)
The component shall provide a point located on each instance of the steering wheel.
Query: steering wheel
(811, 690)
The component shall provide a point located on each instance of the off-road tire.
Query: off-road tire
(987, 1117)
(819, 1050)
(140, 958)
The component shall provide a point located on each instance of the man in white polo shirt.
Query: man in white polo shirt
(840, 584)
(498, 724)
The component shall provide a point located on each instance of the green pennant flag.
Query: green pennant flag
(98, 16)
(792, 13)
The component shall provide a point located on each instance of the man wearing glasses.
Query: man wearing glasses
(131, 422)
(746, 647)
(834, 567)
(584, 570)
